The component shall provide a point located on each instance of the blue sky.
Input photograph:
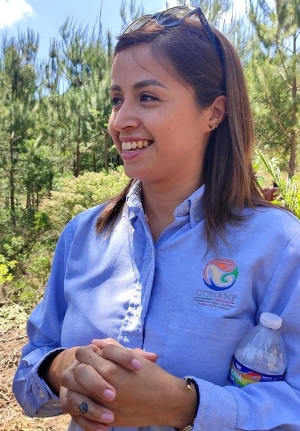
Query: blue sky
(46, 16)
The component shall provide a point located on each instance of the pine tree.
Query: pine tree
(276, 66)
(18, 86)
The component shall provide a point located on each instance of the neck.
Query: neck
(160, 203)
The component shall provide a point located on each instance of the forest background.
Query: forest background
(56, 155)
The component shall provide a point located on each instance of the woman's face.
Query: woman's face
(158, 129)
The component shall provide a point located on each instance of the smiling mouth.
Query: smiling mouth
(135, 145)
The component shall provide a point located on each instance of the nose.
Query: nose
(123, 118)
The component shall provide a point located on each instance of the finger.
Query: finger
(69, 381)
(147, 355)
(79, 405)
(99, 363)
(85, 379)
(105, 341)
(124, 357)
(89, 377)
(93, 346)
(72, 367)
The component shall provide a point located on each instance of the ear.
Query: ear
(218, 111)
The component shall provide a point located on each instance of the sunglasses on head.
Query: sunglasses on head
(174, 17)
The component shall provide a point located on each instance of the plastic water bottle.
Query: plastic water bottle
(260, 356)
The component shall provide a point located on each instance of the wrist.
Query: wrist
(44, 370)
(189, 403)
(54, 365)
(192, 384)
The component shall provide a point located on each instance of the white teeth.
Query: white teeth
(127, 146)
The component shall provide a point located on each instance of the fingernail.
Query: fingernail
(107, 417)
(109, 394)
(136, 364)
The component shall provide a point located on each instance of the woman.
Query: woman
(181, 263)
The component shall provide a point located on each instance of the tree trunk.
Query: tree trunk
(94, 161)
(77, 164)
(28, 196)
(12, 181)
(50, 186)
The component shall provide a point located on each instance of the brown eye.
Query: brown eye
(116, 101)
(148, 98)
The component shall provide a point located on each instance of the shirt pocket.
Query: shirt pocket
(202, 345)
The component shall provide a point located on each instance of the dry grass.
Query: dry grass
(12, 418)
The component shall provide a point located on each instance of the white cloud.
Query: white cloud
(13, 11)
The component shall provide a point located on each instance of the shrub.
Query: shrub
(288, 188)
(72, 196)
(77, 194)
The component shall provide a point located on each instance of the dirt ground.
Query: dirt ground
(12, 417)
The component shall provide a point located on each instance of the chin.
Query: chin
(134, 173)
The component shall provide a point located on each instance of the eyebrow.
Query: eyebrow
(140, 84)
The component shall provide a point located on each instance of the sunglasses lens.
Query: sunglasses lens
(140, 22)
(173, 15)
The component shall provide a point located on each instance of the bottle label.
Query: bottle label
(241, 376)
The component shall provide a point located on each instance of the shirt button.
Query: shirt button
(41, 393)
(197, 219)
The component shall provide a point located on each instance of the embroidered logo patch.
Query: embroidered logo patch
(220, 274)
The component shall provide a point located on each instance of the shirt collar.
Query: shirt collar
(134, 200)
(192, 206)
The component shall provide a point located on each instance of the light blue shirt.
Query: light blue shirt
(174, 298)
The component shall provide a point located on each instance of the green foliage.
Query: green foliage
(28, 285)
(54, 114)
(11, 248)
(13, 316)
(41, 221)
(273, 74)
(289, 188)
(134, 12)
(56, 156)
(54, 117)
(72, 196)
(5, 268)
(77, 194)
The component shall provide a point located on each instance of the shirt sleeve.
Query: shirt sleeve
(271, 405)
(44, 333)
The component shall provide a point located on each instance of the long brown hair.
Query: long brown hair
(230, 183)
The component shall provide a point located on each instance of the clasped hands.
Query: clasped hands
(109, 385)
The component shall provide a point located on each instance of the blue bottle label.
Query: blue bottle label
(241, 376)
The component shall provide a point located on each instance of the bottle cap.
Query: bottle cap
(270, 320)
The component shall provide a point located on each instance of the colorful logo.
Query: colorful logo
(220, 274)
